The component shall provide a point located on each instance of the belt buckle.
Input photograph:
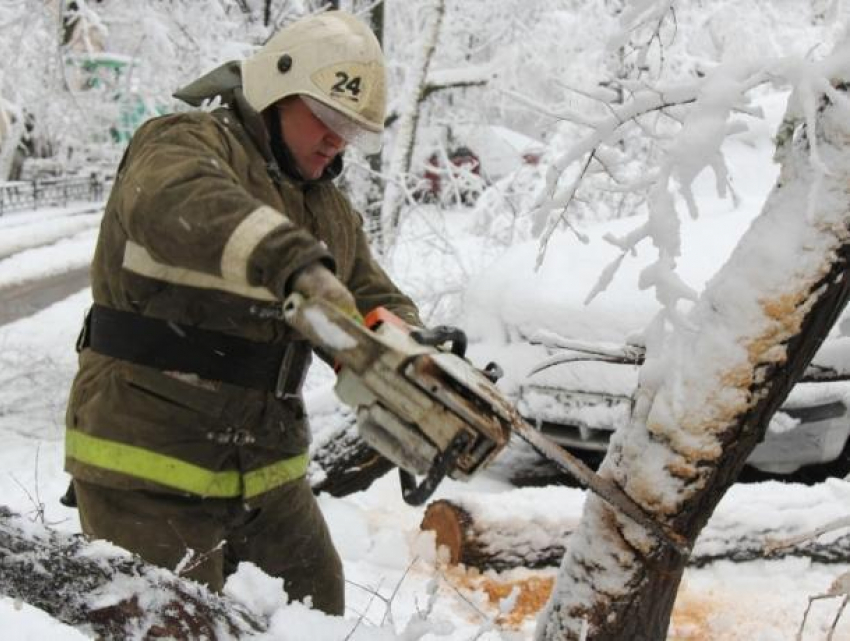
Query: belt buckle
(84, 337)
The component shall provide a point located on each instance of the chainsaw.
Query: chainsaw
(429, 410)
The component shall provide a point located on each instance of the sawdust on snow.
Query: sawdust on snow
(698, 615)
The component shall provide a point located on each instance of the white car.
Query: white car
(579, 396)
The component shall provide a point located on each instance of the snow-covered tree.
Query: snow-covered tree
(718, 364)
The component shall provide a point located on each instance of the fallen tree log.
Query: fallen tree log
(106, 592)
(531, 529)
(343, 463)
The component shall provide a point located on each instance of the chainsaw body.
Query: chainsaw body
(428, 411)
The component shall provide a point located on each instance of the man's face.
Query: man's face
(312, 144)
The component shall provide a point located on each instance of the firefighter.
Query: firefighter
(186, 432)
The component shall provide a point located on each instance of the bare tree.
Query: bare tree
(405, 139)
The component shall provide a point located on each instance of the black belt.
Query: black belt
(170, 346)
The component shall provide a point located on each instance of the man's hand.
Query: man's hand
(317, 282)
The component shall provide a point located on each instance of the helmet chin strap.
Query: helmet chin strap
(282, 155)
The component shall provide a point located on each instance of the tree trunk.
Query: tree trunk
(105, 591)
(12, 131)
(475, 538)
(721, 379)
(376, 161)
(405, 138)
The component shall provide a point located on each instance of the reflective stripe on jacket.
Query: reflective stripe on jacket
(178, 474)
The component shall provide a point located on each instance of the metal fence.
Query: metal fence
(20, 195)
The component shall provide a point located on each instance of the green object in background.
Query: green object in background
(110, 74)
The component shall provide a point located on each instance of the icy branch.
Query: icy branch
(708, 108)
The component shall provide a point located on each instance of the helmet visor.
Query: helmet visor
(352, 132)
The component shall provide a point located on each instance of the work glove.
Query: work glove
(317, 282)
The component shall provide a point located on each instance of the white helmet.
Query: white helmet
(333, 61)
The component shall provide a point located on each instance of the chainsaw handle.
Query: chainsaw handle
(416, 495)
(433, 337)
(436, 336)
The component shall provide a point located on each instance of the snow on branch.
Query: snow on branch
(696, 147)
(105, 591)
(704, 113)
(641, 26)
(461, 76)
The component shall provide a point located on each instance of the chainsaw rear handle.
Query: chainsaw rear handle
(440, 335)
(433, 337)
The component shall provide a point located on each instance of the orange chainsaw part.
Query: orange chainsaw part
(381, 315)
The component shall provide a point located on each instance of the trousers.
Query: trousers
(283, 533)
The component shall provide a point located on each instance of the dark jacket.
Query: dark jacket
(202, 228)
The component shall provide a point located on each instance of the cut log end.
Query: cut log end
(449, 522)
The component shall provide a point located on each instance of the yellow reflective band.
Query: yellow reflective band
(274, 475)
(172, 472)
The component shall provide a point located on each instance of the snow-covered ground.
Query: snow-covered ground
(457, 275)
(393, 570)
(38, 244)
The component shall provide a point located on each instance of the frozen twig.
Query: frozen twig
(641, 27)
(772, 545)
(362, 614)
(840, 587)
(420, 625)
(35, 496)
(38, 504)
(463, 598)
(388, 614)
(193, 559)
